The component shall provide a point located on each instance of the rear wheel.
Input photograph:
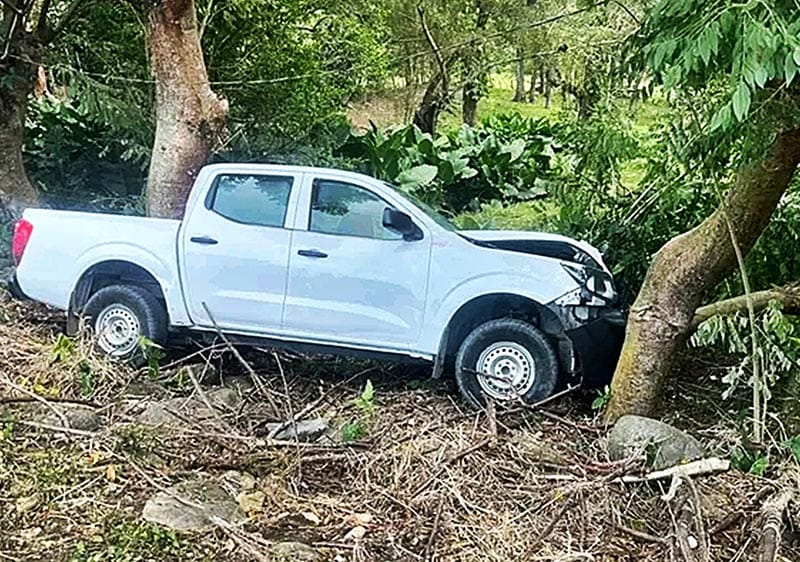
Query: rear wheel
(506, 360)
(120, 315)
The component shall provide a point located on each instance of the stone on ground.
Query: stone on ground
(190, 505)
(660, 443)
(293, 552)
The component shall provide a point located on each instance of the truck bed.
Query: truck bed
(64, 243)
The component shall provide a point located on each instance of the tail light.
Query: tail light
(22, 234)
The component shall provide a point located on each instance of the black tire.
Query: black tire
(524, 335)
(148, 311)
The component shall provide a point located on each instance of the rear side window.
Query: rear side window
(252, 199)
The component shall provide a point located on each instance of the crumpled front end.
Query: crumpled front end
(593, 324)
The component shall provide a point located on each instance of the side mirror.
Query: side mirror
(401, 223)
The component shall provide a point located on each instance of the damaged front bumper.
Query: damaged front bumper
(595, 336)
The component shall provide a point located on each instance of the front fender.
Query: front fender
(443, 309)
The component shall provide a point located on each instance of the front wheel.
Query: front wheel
(506, 360)
(120, 315)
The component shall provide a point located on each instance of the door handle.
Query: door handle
(207, 240)
(312, 253)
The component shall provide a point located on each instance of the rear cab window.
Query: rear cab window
(252, 199)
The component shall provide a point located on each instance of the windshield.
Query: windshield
(438, 218)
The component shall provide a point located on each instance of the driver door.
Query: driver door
(351, 279)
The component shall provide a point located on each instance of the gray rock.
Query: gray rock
(304, 430)
(189, 506)
(292, 552)
(660, 443)
(174, 411)
(78, 416)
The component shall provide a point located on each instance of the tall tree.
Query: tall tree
(26, 30)
(694, 46)
(190, 117)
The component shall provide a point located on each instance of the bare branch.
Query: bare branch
(436, 52)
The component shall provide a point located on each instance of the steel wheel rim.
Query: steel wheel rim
(117, 329)
(506, 370)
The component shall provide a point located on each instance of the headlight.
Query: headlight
(597, 287)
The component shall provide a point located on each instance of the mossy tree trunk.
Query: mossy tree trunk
(190, 118)
(686, 269)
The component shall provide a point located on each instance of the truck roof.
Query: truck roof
(251, 167)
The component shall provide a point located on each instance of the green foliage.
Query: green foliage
(793, 445)
(602, 399)
(358, 428)
(153, 354)
(506, 159)
(77, 159)
(130, 541)
(749, 461)
(778, 346)
(753, 46)
(353, 431)
(63, 348)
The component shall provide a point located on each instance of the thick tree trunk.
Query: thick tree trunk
(536, 67)
(519, 91)
(683, 272)
(190, 117)
(16, 189)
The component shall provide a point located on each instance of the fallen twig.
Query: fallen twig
(253, 375)
(36, 397)
(641, 534)
(694, 468)
(772, 513)
(457, 456)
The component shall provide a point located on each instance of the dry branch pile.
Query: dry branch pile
(424, 479)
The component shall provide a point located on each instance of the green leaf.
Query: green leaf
(789, 68)
(761, 76)
(796, 56)
(369, 392)
(721, 119)
(741, 101)
(417, 176)
(515, 149)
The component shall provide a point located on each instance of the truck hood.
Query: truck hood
(539, 243)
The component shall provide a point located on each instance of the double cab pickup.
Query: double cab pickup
(331, 261)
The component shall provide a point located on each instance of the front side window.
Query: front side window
(252, 199)
(348, 210)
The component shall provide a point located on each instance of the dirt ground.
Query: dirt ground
(406, 474)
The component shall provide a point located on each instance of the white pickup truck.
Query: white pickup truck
(336, 262)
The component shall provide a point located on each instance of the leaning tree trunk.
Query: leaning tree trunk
(190, 118)
(519, 91)
(16, 190)
(686, 268)
(427, 113)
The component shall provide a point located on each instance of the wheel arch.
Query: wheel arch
(106, 273)
(492, 306)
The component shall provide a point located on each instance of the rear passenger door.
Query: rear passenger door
(236, 251)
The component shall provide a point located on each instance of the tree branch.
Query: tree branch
(436, 52)
(788, 296)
